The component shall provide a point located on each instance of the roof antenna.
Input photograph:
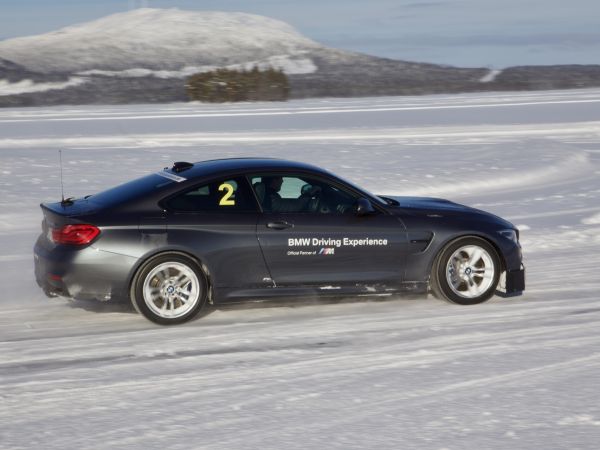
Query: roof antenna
(62, 188)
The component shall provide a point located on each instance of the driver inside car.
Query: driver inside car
(275, 203)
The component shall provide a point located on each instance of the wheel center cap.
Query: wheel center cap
(468, 271)
(170, 289)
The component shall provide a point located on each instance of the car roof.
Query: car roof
(146, 190)
(228, 165)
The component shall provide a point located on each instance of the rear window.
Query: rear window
(130, 190)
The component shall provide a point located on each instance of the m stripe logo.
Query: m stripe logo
(327, 251)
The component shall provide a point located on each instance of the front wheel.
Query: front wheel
(466, 272)
(169, 289)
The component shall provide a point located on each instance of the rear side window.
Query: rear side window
(232, 194)
(140, 187)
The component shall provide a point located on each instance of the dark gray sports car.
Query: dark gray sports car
(226, 230)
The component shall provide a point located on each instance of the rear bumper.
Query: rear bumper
(86, 273)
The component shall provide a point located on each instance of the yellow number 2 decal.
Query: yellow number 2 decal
(226, 200)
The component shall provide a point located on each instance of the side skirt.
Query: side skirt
(224, 295)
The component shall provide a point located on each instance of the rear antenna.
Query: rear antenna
(62, 188)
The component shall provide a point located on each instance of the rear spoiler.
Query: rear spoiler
(58, 213)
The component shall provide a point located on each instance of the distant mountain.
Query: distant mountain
(158, 39)
(11, 72)
(145, 54)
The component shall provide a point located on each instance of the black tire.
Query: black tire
(161, 276)
(483, 283)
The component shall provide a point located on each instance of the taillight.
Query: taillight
(75, 234)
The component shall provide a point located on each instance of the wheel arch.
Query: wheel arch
(132, 277)
(455, 238)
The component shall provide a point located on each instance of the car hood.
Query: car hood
(439, 207)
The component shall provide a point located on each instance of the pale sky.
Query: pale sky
(471, 33)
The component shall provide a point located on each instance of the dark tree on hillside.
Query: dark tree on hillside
(226, 85)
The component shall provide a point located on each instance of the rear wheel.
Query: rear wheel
(466, 271)
(169, 289)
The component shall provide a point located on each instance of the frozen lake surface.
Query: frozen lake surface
(394, 373)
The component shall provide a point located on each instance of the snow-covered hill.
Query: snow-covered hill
(163, 39)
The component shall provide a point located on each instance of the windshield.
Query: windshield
(360, 189)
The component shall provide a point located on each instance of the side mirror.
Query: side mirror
(364, 207)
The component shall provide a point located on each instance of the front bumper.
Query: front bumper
(513, 283)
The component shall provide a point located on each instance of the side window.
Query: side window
(290, 193)
(221, 195)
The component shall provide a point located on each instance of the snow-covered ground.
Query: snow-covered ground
(27, 86)
(288, 64)
(397, 373)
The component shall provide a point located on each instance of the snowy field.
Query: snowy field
(399, 373)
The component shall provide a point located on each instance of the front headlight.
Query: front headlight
(513, 235)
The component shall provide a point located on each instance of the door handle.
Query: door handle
(279, 225)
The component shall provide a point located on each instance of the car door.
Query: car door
(216, 221)
(311, 235)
